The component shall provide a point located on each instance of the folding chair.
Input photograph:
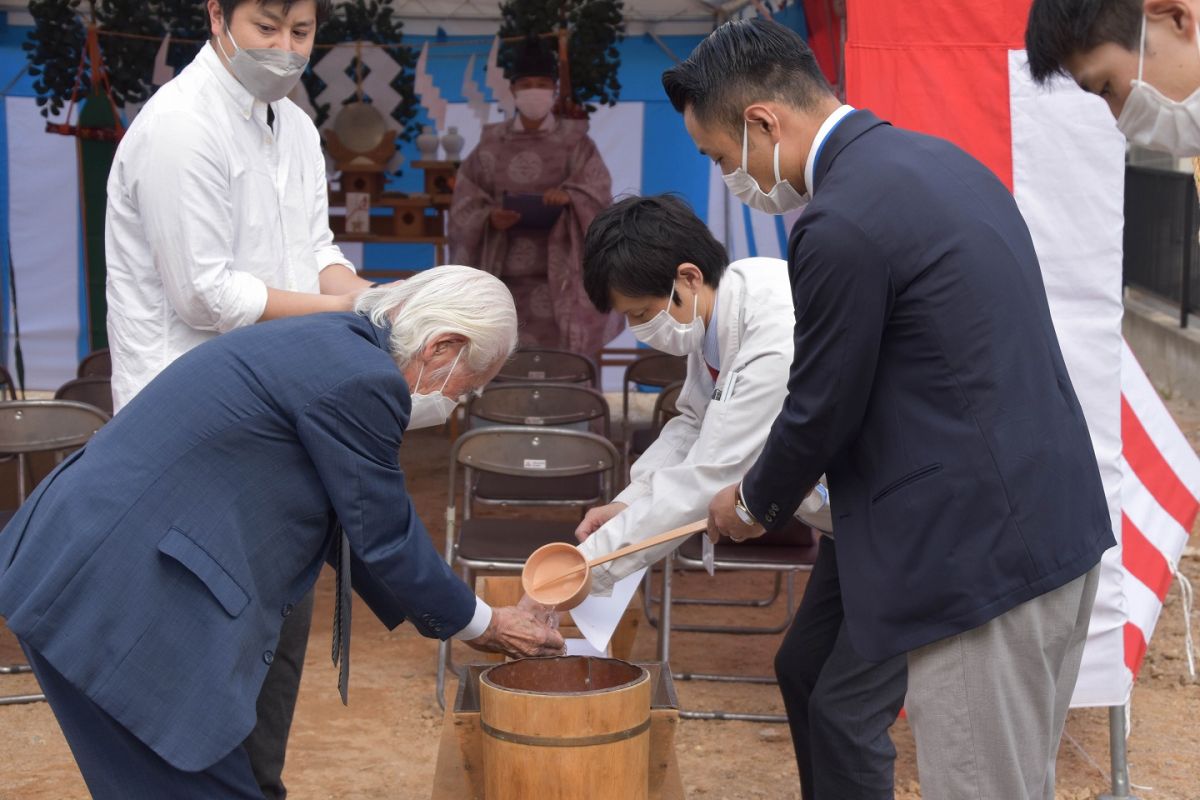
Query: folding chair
(785, 553)
(547, 365)
(98, 362)
(555, 405)
(95, 390)
(665, 408)
(557, 468)
(41, 426)
(656, 370)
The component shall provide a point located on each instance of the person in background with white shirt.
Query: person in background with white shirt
(217, 219)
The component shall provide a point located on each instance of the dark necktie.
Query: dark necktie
(270, 118)
(341, 616)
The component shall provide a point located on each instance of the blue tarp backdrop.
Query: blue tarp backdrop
(642, 139)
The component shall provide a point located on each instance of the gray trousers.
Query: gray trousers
(267, 743)
(988, 706)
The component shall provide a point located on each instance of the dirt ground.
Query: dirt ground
(384, 745)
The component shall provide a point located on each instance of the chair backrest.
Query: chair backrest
(97, 362)
(557, 405)
(653, 369)
(8, 388)
(40, 426)
(536, 453)
(95, 390)
(666, 405)
(545, 365)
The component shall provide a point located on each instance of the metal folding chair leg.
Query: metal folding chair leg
(737, 630)
(664, 650)
(763, 602)
(18, 699)
(21, 699)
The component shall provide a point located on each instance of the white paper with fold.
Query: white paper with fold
(597, 617)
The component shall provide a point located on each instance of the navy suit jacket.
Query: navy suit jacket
(928, 383)
(154, 567)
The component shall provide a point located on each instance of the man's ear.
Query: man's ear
(764, 118)
(691, 275)
(1177, 12)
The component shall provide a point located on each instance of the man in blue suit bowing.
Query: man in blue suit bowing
(928, 384)
(149, 575)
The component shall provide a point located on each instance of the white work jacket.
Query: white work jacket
(722, 426)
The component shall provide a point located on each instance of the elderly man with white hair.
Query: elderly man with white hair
(147, 577)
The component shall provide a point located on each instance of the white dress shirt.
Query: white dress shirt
(207, 207)
(823, 132)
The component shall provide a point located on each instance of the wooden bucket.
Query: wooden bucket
(575, 727)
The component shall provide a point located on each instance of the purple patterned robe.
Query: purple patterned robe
(542, 269)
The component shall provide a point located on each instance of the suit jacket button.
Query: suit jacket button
(268, 658)
(287, 609)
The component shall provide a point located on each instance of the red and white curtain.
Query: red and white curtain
(958, 70)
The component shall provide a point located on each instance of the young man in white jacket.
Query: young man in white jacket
(653, 260)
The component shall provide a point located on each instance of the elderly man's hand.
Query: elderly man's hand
(724, 521)
(556, 197)
(518, 633)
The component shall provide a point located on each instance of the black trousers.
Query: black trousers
(839, 706)
(116, 765)
(266, 745)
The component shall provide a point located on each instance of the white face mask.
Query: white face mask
(535, 103)
(782, 198)
(434, 408)
(669, 335)
(266, 72)
(1151, 119)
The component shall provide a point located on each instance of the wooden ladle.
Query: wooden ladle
(560, 576)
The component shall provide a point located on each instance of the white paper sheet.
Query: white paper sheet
(582, 647)
(597, 617)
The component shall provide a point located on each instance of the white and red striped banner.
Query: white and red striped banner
(958, 70)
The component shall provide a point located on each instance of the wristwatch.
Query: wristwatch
(741, 509)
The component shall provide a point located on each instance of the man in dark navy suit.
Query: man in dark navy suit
(148, 577)
(928, 384)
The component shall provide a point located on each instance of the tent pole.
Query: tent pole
(1117, 755)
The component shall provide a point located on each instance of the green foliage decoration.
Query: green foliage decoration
(596, 26)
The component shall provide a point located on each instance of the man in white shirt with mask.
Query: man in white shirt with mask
(1142, 57)
(217, 219)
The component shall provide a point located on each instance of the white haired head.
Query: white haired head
(450, 299)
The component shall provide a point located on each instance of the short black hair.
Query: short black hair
(743, 62)
(1059, 29)
(635, 247)
(324, 7)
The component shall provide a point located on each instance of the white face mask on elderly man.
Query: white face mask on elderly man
(434, 408)
(266, 72)
(780, 200)
(669, 335)
(1151, 119)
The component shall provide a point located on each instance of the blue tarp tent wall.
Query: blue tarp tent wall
(642, 140)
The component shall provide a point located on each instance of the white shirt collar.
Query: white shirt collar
(822, 134)
(243, 101)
